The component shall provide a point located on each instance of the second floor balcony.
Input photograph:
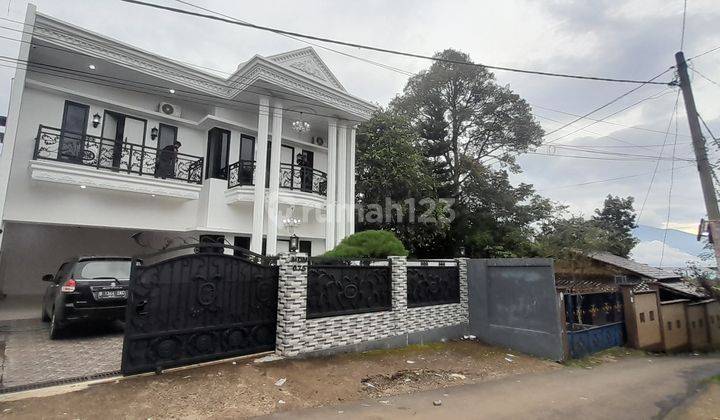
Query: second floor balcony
(292, 177)
(123, 157)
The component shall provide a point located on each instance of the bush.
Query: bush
(369, 244)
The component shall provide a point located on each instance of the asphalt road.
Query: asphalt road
(634, 388)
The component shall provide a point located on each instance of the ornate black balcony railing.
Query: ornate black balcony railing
(84, 149)
(241, 173)
(303, 178)
(292, 177)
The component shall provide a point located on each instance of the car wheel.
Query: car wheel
(44, 316)
(55, 327)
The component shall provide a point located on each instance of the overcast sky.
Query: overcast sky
(624, 39)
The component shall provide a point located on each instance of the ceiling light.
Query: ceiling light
(83, 186)
(172, 91)
(91, 66)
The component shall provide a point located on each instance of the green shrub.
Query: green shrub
(368, 244)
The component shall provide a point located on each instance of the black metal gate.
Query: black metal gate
(198, 304)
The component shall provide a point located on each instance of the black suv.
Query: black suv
(86, 288)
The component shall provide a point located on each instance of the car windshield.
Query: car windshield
(111, 269)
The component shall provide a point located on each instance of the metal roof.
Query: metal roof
(684, 288)
(634, 266)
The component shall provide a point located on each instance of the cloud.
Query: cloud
(650, 252)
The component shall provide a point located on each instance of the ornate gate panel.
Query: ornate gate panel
(199, 307)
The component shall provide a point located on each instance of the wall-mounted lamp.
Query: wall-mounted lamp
(154, 133)
(96, 120)
(462, 251)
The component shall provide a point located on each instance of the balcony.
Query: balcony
(299, 185)
(85, 160)
(101, 153)
(292, 177)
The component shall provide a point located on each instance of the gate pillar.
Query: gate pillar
(292, 303)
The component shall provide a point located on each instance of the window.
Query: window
(678, 324)
(73, 129)
(669, 324)
(108, 269)
(652, 315)
(247, 159)
(642, 317)
(218, 150)
(692, 325)
(701, 323)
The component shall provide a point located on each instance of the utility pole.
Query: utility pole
(704, 168)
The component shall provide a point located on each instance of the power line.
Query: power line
(246, 86)
(670, 189)
(620, 159)
(604, 105)
(652, 179)
(383, 50)
(703, 53)
(366, 60)
(704, 77)
(682, 34)
(651, 97)
(116, 81)
(600, 181)
(603, 121)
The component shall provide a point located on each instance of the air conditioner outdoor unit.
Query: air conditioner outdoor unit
(318, 141)
(169, 109)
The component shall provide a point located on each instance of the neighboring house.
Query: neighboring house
(91, 163)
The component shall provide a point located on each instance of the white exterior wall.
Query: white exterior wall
(45, 202)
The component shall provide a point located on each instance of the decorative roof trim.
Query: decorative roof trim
(269, 69)
(311, 53)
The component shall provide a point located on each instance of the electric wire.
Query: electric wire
(383, 50)
(657, 163)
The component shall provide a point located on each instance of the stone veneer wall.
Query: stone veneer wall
(298, 335)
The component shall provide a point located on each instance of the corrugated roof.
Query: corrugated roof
(634, 266)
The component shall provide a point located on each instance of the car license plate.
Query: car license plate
(112, 294)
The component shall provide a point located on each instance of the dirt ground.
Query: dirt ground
(244, 388)
(704, 406)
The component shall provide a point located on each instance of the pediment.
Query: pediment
(308, 63)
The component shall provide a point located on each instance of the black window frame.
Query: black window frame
(221, 172)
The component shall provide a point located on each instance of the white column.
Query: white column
(341, 195)
(259, 176)
(274, 178)
(331, 174)
(350, 211)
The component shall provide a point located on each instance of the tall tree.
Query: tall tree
(465, 121)
(617, 217)
(392, 179)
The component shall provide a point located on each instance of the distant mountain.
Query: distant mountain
(683, 241)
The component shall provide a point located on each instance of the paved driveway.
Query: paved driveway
(31, 357)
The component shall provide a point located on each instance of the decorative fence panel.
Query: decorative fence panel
(342, 288)
(432, 285)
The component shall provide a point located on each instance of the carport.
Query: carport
(27, 355)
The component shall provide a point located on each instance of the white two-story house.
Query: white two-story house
(112, 150)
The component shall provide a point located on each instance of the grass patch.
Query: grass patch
(399, 351)
(714, 379)
(604, 356)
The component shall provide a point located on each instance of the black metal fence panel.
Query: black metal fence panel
(344, 288)
(432, 285)
(198, 307)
